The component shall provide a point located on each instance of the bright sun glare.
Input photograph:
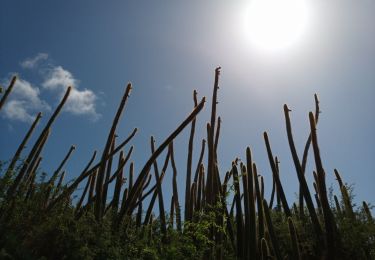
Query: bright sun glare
(274, 25)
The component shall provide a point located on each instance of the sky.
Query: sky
(166, 50)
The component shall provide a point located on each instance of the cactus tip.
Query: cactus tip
(286, 108)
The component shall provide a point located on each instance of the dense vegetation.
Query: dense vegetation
(226, 216)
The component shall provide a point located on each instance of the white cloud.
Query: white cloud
(16, 110)
(58, 77)
(80, 102)
(24, 90)
(24, 102)
(32, 63)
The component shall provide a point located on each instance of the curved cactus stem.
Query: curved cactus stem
(279, 187)
(301, 178)
(212, 195)
(252, 242)
(200, 160)
(98, 206)
(22, 145)
(247, 230)
(175, 190)
(189, 164)
(259, 204)
(237, 195)
(57, 171)
(345, 196)
(37, 144)
(306, 152)
(274, 184)
(158, 193)
(330, 225)
(108, 175)
(118, 185)
(80, 202)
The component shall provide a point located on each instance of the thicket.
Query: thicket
(226, 216)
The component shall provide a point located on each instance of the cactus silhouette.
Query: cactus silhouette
(224, 216)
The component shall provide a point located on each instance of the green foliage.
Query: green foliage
(31, 233)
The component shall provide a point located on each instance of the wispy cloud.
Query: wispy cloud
(25, 99)
(17, 110)
(24, 102)
(80, 102)
(59, 78)
(31, 63)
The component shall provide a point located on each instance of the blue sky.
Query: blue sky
(168, 50)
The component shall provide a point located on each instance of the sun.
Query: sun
(274, 25)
